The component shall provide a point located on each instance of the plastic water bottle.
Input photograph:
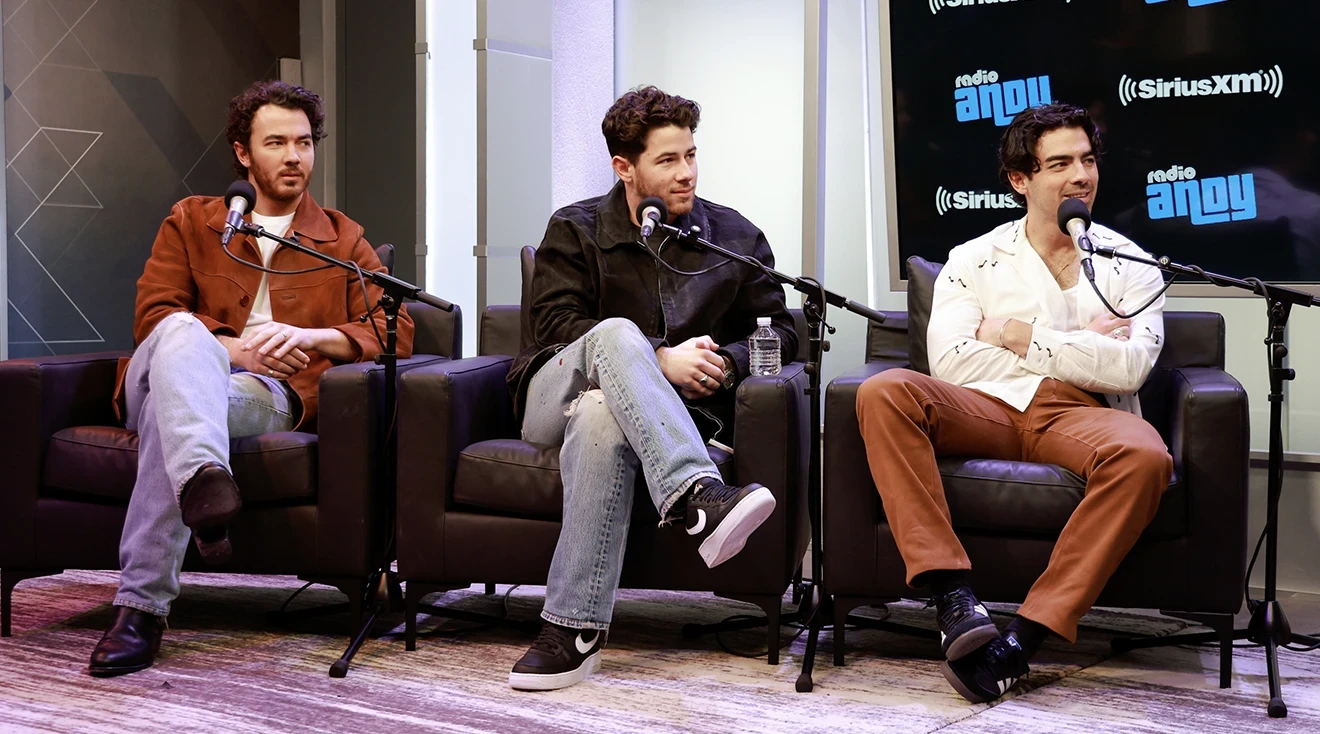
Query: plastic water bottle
(765, 348)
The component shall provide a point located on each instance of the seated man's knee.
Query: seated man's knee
(181, 325)
(618, 332)
(887, 390)
(589, 412)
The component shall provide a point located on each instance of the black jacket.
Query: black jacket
(591, 266)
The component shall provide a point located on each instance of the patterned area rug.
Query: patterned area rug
(223, 667)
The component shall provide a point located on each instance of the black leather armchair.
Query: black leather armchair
(69, 467)
(1190, 561)
(479, 505)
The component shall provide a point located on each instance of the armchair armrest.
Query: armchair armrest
(772, 444)
(851, 503)
(43, 395)
(444, 408)
(436, 331)
(350, 424)
(1210, 440)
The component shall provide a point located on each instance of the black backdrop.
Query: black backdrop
(1143, 68)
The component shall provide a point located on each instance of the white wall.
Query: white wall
(451, 158)
(583, 88)
(741, 60)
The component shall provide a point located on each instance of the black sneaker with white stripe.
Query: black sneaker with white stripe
(558, 658)
(725, 517)
(989, 672)
(965, 623)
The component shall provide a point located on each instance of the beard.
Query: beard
(676, 204)
(274, 186)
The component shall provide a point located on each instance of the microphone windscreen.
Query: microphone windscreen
(652, 201)
(1072, 209)
(241, 189)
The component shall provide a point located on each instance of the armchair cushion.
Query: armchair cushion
(517, 478)
(920, 296)
(101, 461)
(1017, 497)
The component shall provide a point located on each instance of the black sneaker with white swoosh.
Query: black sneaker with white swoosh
(559, 658)
(724, 517)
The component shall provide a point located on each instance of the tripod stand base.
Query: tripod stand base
(412, 605)
(774, 619)
(1268, 627)
(839, 611)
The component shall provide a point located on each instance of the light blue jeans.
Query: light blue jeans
(604, 400)
(185, 406)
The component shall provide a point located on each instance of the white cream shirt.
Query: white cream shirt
(999, 275)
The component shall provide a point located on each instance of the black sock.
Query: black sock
(942, 582)
(1030, 635)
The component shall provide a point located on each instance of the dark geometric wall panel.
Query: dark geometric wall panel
(114, 110)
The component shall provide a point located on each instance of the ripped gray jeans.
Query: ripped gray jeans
(604, 400)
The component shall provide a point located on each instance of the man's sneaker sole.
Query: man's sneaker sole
(971, 640)
(728, 539)
(967, 693)
(555, 681)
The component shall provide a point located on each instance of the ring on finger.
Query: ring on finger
(702, 380)
(270, 373)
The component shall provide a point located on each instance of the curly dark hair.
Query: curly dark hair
(1017, 149)
(637, 112)
(244, 107)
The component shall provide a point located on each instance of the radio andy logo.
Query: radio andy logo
(981, 96)
(1178, 192)
(946, 201)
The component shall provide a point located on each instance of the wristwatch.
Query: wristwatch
(727, 382)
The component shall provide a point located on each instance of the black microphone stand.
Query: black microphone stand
(382, 589)
(1268, 625)
(816, 614)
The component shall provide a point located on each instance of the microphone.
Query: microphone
(1074, 219)
(239, 198)
(650, 212)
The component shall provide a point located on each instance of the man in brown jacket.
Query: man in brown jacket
(226, 350)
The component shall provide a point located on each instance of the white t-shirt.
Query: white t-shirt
(266, 246)
(1070, 303)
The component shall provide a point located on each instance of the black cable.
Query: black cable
(1090, 277)
(675, 270)
(367, 317)
(293, 596)
(265, 269)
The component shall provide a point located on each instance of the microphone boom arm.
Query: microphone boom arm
(806, 286)
(393, 287)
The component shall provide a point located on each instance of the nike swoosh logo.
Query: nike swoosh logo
(582, 645)
(701, 523)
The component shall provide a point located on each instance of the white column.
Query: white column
(451, 158)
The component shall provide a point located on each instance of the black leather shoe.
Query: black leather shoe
(129, 645)
(210, 500)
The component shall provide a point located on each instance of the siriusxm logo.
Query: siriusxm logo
(1265, 81)
(981, 96)
(963, 200)
(1177, 192)
(1190, 3)
(938, 5)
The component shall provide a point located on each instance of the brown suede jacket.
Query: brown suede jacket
(188, 271)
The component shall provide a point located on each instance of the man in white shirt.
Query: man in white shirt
(1027, 364)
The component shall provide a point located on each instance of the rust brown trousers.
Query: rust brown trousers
(907, 419)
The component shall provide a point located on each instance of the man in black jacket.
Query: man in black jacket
(631, 339)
